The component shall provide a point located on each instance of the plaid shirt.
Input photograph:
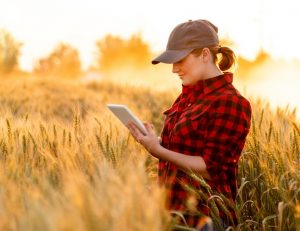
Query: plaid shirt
(210, 119)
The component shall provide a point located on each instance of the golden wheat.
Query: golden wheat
(67, 164)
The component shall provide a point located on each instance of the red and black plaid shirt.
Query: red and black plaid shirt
(210, 119)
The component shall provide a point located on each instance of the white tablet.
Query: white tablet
(125, 115)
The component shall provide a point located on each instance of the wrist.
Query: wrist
(155, 150)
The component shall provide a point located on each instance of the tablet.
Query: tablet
(125, 115)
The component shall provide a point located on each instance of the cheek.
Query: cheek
(197, 71)
(194, 73)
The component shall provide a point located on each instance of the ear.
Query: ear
(206, 54)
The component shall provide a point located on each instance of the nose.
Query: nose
(175, 68)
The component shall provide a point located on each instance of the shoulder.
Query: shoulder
(234, 97)
(231, 94)
(230, 100)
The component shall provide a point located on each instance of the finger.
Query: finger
(133, 127)
(134, 131)
(136, 128)
(150, 128)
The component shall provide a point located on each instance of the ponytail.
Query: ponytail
(228, 58)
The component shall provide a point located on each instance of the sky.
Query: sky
(252, 24)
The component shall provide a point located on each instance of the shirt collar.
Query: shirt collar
(188, 90)
(208, 85)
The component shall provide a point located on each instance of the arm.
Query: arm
(185, 162)
(151, 143)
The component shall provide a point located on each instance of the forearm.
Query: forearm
(153, 144)
(185, 162)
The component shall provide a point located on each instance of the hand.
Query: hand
(150, 141)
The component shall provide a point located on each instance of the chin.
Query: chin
(187, 84)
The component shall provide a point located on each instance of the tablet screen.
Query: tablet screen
(125, 115)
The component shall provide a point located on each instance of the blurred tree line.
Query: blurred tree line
(64, 61)
(112, 52)
(9, 53)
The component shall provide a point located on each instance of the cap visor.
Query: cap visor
(171, 56)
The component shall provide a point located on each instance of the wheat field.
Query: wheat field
(67, 164)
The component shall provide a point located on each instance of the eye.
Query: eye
(180, 61)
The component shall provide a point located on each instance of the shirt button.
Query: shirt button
(189, 104)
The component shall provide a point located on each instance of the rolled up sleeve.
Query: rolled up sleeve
(225, 135)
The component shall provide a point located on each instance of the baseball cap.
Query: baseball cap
(186, 37)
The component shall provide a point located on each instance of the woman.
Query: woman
(206, 127)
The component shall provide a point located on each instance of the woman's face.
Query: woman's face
(190, 69)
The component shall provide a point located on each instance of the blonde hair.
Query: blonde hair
(228, 58)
